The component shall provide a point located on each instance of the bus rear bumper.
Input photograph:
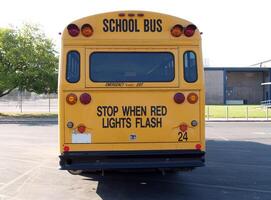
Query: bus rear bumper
(109, 160)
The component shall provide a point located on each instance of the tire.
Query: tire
(75, 172)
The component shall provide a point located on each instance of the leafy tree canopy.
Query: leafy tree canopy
(28, 61)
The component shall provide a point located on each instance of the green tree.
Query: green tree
(28, 61)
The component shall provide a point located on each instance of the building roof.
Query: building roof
(240, 69)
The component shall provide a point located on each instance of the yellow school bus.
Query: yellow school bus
(131, 93)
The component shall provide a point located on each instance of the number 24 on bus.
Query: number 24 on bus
(131, 93)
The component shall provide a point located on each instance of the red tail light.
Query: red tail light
(190, 30)
(81, 128)
(192, 98)
(179, 98)
(73, 30)
(85, 98)
(183, 127)
(71, 99)
(87, 30)
(177, 30)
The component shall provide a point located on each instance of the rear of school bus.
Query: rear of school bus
(131, 93)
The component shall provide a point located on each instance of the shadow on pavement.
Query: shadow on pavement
(234, 170)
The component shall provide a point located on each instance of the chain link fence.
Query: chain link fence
(29, 102)
(26, 102)
(246, 112)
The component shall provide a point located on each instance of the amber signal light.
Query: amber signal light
(177, 30)
(192, 98)
(87, 30)
(71, 99)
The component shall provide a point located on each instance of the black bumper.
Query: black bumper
(106, 160)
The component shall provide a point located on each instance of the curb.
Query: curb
(28, 120)
(237, 120)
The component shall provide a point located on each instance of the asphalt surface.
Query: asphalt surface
(238, 166)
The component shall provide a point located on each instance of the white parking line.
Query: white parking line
(21, 176)
(259, 133)
(218, 137)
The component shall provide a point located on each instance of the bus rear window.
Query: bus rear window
(131, 67)
(73, 67)
(190, 67)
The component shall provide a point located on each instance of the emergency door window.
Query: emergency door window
(131, 67)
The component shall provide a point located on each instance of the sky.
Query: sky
(236, 33)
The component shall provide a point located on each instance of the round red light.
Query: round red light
(198, 146)
(66, 148)
(73, 30)
(87, 30)
(85, 98)
(183, 127)
(179, 98)
(190, 30)
(81, 128)
(177, 30)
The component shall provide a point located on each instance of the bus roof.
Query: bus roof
(131, 28)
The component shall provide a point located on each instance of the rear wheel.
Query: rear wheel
(75, 172)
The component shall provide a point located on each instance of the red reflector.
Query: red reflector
(85, 98)
(66, 148)
(179, 98)
(190, 30)
(81, 128)
(73, 30)
(183, 127)
(198, 146)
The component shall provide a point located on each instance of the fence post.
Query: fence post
(21, 101)
(266, 113)
(247, 112)
(208, 114)
(227, 112)
(49, 102)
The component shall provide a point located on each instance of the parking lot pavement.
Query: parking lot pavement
(238, 166)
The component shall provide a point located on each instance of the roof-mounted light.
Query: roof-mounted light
(190, 30)
(177, 30)
(87, 30)
(73, 30)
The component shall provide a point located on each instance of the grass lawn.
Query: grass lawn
(236, 111)
(28, 115)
